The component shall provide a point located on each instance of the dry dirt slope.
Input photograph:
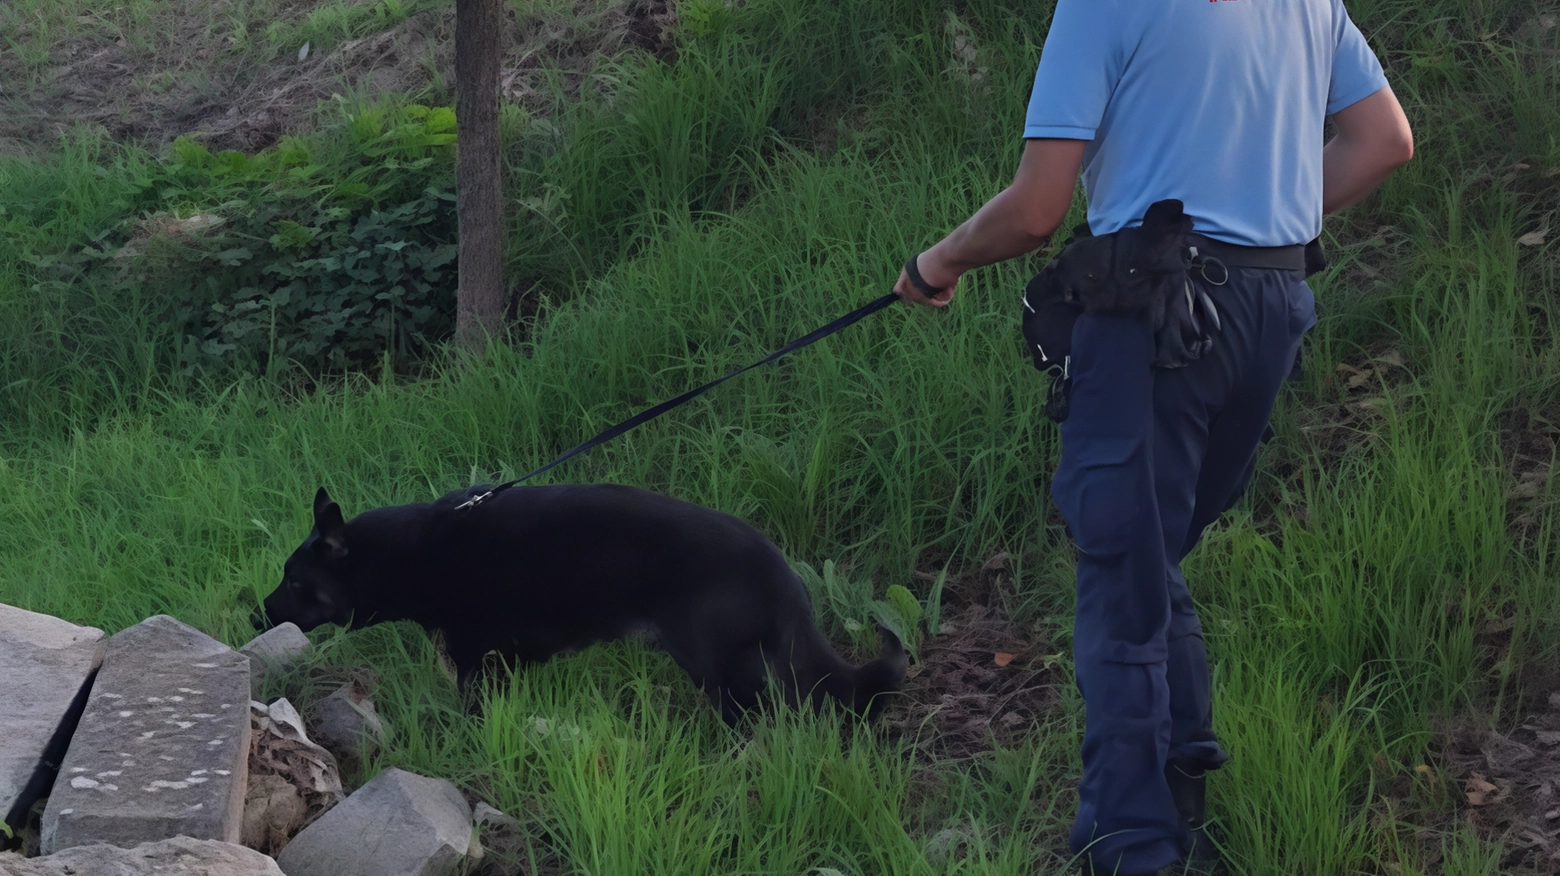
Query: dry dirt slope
(240, 75)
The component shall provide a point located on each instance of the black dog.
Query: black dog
(535, 571)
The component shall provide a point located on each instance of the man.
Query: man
(1220, 104)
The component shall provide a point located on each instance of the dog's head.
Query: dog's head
(314, 587)
(1118, 272)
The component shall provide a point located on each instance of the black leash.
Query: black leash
(651, 413)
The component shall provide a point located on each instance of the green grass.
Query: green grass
(685, 216)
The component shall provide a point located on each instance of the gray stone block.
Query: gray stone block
(399, 824)
(347, 720)
(181, 855)
(43, 663)
(163, 747)
(275, 650)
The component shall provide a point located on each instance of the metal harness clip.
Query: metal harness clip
(473, 502)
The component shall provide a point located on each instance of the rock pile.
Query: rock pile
(152, 755)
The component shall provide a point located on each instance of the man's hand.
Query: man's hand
(935, 275)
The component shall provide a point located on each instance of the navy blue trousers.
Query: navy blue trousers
(1150, 457)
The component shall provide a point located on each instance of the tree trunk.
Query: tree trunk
(479, 45)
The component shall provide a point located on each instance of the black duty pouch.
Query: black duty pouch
(1047, 326)
(1139, 269)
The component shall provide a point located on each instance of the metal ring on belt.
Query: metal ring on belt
(1281, 258)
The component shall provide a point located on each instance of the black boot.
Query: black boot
(1189, 788)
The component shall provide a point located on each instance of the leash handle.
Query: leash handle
(649, 414)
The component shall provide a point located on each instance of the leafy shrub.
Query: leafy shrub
(335, 293)
(328, 253)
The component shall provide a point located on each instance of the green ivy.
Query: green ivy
(335, 290)
(329, 253)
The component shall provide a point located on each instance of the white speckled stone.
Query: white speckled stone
(163, 747)
(43, 663)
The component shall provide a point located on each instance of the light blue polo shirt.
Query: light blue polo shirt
(1219, 103)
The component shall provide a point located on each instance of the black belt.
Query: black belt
(1307, 257)
(1279, 258)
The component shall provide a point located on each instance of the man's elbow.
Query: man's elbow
(1042, 220)
(1400, 150)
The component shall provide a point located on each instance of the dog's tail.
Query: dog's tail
(863, 689)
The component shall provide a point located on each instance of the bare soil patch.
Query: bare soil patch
(983, 679)
(1510, 783)
(1527, 444)
(195, 82)
(203, 89)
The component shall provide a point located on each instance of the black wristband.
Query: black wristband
(918, 281)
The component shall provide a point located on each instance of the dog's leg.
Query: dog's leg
(468, 662)
(743, 683)
(721, 676)
(695, 661)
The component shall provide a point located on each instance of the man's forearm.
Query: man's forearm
(1349, 174)
(1001, 230)
(1018, 220)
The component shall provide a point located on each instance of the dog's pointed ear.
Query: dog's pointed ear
(332, 527)
(321, 502)
(1165, 222)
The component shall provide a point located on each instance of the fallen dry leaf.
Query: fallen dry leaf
(1549, 737)
(1528, 486)
(1002, 658)
(1479, 790)
(1000, 561)
(1391, 357)
(1359, 378)
(1427, 772)
(1533, 238)
(292, 781)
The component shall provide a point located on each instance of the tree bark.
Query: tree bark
(479, 46)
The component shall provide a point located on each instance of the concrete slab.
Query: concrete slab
(181, 855)
(399, 823)
(163, 747)
(44, 662)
